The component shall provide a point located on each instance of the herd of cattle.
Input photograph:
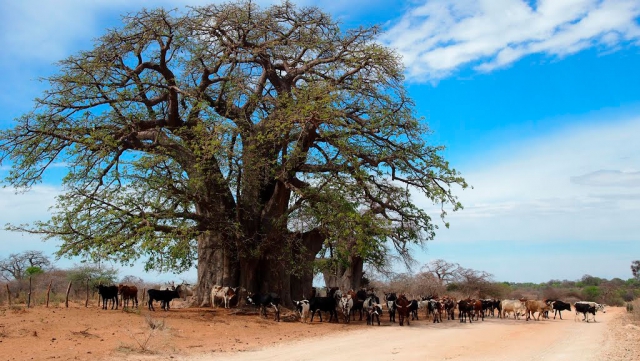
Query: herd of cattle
(435, 308)
(361, 303)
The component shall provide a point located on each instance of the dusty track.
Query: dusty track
(204, 334)
(493, 339)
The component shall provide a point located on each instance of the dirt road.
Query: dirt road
(493, 339)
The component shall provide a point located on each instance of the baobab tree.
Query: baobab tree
(241, 139)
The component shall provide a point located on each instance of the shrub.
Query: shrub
(591, 293)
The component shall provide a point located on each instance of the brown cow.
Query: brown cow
(402, 305)
(449, 308)
(465, 309)
(128, 293)
(533, 306)
(477, 309)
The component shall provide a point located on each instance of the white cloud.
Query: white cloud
(441, 36)
(609, 178)
(552, 188)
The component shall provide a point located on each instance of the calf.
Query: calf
(302, 307)
(108, 293)
(164, 296)
(584, 308)
(402, 303)
(128, 293)
(264, 300)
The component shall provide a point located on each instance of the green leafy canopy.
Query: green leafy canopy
(260, 125)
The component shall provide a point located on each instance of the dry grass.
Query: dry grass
(143, 340)
(633, 311)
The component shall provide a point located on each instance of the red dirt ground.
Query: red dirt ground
(79, 333)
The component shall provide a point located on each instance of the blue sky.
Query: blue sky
(538, 103)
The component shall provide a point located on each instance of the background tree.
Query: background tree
(15, 266)
(443, 270)
(473, 283)
(132, 280)
(232, 136)
(635, 269)
(79, 274)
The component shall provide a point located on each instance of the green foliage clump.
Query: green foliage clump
(591, 293)
(94, 273)
(33, 271)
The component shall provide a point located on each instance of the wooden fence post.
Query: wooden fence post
(144, 293)
(8, 295)
(86, 302)
(29, 295)
(66, 301)
(48, 290)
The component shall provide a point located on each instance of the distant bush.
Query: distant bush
(591, 293)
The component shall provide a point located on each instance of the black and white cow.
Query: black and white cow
(390, 299)
(413, 309)
(302, 307)
(585, 308)
(346, 304)
(598, 306)
(265, 300)
(164, 296)
(372, 308)
(559, 306)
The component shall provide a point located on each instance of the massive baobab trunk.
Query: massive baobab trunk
(349, 277)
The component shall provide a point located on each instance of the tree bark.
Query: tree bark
(346, 277)
(216, 266)
(311, 245)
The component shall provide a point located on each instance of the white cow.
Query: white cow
(516, 306)
(220, 294)
(187, 290)
(346, 304)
